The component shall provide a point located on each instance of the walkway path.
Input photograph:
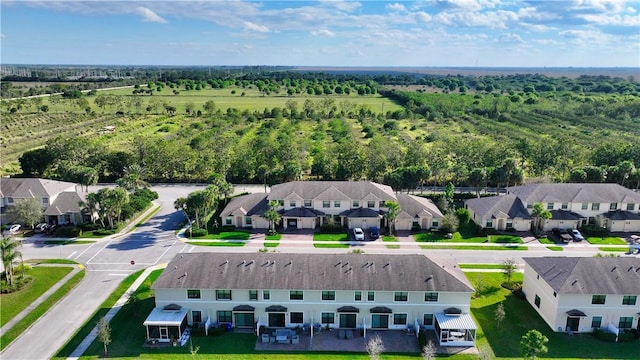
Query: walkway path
(11, 323)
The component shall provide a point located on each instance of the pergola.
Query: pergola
(455, 329)
(166, 323)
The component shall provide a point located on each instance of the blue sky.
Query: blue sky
(485, 33)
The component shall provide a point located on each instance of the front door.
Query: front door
(276, 320)
(164, 332)
(380, 321)
(244, 320)
(348, 321)
(572, 323)
(196, 315)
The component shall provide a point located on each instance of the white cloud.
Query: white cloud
(249, 26)
(616, 20)
(323, 32)
(510, 38)
(347, 6)
(605, 6)
(2, 36)
(493, 20)
(395, 7)
(421, 16)
(149, 16)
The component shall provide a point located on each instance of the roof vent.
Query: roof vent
(185, 274)
(345, 264)
(339, 262)
(614, 268)
(249, 263)
(429, 278)
(289, 263)
(266, 263)
(349, 269)
(365, 265)
(385, 265)
(574, 282)
(175, 267)
(630, 268)
(242, 263)
(224, 262)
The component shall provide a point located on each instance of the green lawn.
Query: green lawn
(612, 249)
(546, 240)
(227, 235)
(44, 277)
(520, 318)
(40, 310)
(474, 247)
(272, 240)
(217, 243)
(481, 266)
(458, 237)
(330, 237)
(390, 239)
(607, 240)
(555, 248)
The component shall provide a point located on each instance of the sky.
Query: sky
(439, 33)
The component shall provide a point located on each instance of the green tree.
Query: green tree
(133, 179)
(10, 253)
(499, 314)
(538, 214)
(478, 179)
(393, 209)
(508, 268)
(272, 216)
(375, 347)
(450, 222)
(27, 212)
(104, 333)
(533, 343)
(210, 107)
(449, 190)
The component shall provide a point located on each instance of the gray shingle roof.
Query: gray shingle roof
(498, 206)
(334, 190)
(415, 206)
(251, 204)
(312, 272)
(32, 187)
(621, 215)
(575, 193)
(582, 275)
(302, 212)
(360, 213)
(66, 202)
(564, 215)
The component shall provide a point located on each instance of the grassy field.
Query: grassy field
(330, 237)
(40, 310)
(389, 240)
(607, 240)
(481, 266)
(44, 277)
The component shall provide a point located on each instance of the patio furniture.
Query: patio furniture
(341, 334)
(295, 339)
(282, 336)
(265, 338)
(349, 334)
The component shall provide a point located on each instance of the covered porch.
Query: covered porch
(455, 329)
(166, 324)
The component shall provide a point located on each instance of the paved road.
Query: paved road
(109, 261)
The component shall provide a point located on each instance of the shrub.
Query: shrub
(463, 215)
(422, 339)
(331, 228)
(594, 230)
(104, 232)
(199, 232)
(89, 226)
(68, 231)
(604, 336)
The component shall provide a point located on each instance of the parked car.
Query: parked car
(42, 227)
(358, 234)
(576, 235)
(562, 235)
(14, 228)
(375, 232)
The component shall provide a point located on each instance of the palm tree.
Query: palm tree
(9, 252)
(539, 213)
(133, 178)
(272, 216)
(393, 208)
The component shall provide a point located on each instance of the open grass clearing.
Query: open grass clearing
(40, 310)
(44, 277)
(330, 237)
(607, 240)
(390, 239)
(218, 243)
(520, 318)
(474, 247)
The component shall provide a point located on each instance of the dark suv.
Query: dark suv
(562, 235)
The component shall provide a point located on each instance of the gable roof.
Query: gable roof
(250, 204)
(333, 190)
(574, 193)
(509, 206)
(65, 202)
(32, 187)
(621, 215)
(415, 206)
(312, 272)
(582, 275)
(564, 215)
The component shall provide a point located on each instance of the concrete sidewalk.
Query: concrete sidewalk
(84, 345)
(42, 298)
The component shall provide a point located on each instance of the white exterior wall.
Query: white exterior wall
(259, 222)
(521, 224)
(623, 225)
(560, 224)
(313, 306)
(533, 285)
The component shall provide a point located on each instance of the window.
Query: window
(555, 294)
(253, 295)
(381, 203)
(400, 296)
(224, 316)
(629, 300)
(585, 206)
(228, 221)
(336, 203)
(10, 200)
(193, 294)
(549, 206)
(435, 223)
(296, 318)
(326, 203)
(595, 206)
(399, 319)
(266, 295)
(355, 203)
(371, 204)
(292, 203)
(596, 322)
(529, 206)
(509, 224)
(431, 296)
(427, 319)
(296, 295)
(371, 296)
(613, 206)
(328, 295)
(307, 203)
(625, 322)
(537, 301)
(45, 201)
(281, 202)
(196, 316)
(247, 220)
(631, 206)
(598, 299)
(223, 294)
(564, 206)
(358, 296)
(328, 318)
(489, 223)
